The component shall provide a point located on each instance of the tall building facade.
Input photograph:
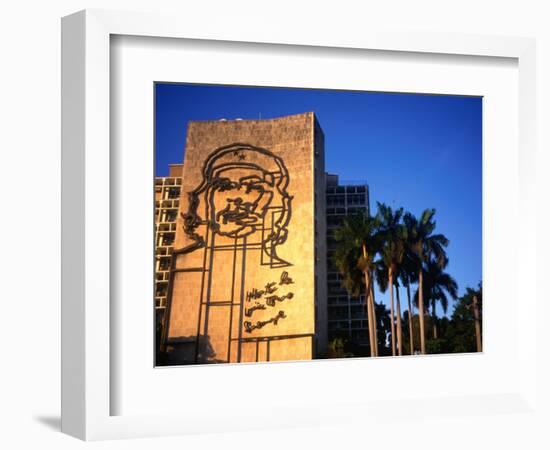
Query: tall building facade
(167, 201)
(248, 267)
(346, 314)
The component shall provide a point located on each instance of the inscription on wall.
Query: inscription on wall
(269, 300)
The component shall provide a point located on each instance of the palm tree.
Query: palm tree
(437, 284)
(476, 305)
(357, 244)
(372, 305)
(409, 274)
(398, 314)
(466, 322)
(424, 245)
(381, 273)
(392, 253)
(474, 298)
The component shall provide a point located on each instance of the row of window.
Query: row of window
(166, 227)
(162, 251)
(161, 289)
(334, 276)
(345, 324)
(167, 204)
(160, 302)
(346, 189)
(162, 276)
(172, 193)
(166, 239)
(342, 212)
(345, 299)
(168, 216)
(164, 263)
(354, 199)
(344, 315)
(168, 181)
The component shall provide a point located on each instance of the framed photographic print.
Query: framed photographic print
(256, 224)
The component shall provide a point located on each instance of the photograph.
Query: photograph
(296, 224)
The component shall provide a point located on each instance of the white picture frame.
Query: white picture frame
(87, 386)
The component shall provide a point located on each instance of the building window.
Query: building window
(168, 239)
(173, 193)
(161, 289)
(164, 264)
(171, 216)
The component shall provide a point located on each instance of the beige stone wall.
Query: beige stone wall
(241, 175)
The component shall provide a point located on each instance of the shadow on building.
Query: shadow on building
(184, 352)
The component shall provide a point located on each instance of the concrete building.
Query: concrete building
(346, 315)
(167, 201)
(248, 269)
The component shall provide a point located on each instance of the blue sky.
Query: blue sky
(415, 151)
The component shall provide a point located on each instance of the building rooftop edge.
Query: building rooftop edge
(253, 120)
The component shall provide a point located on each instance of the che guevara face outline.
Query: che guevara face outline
(238, 204)
(240, 184)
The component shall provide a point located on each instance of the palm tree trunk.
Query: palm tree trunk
(374, 322)
(369, 314)
(421, 312)
(434, 320)
(370, 324)
(411, 336)
(477, 325)
(399, 327)
(390, 285)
